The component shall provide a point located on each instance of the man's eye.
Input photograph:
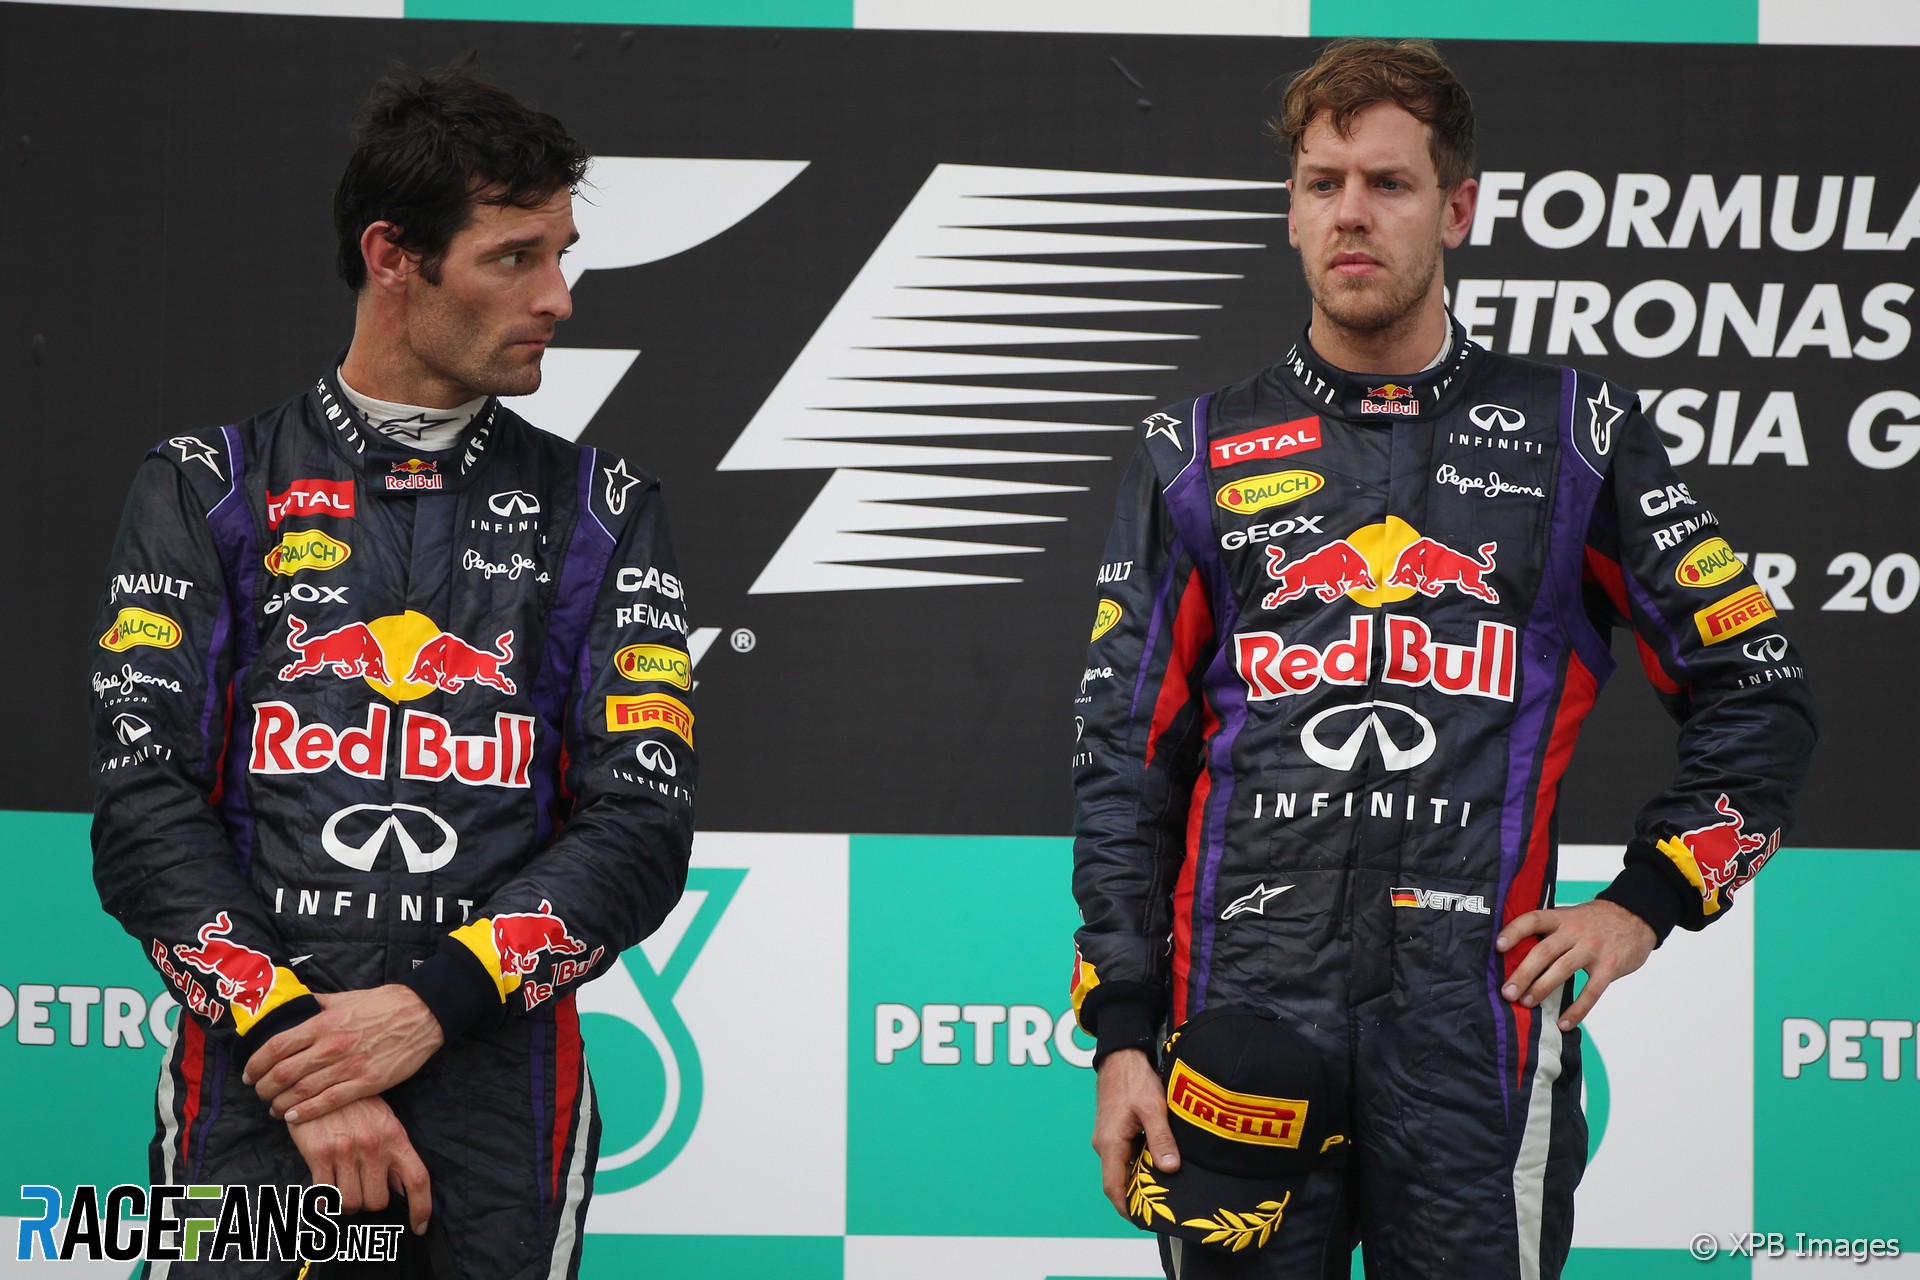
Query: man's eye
(1322, 184)
(511, 259)
(1389, 184)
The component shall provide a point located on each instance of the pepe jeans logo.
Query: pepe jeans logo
(645, 1058)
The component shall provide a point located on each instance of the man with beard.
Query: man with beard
(1365, 606)
(378, 808)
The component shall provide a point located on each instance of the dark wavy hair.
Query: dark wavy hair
(1353, 74)
(428, 148)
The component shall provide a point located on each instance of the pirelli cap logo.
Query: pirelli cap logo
(132, 627)
(1741, 611)
(1105, 618)
(644, 662)
(650, 711)
(1240, 1117)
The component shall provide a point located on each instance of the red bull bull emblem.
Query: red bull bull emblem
(1391, 398)
(1338, 568)
(1710, 856)
(441, 661)
(414, 474)
(522, 937)
(242, 976)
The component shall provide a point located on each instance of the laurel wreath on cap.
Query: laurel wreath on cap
(1239, 1230)
(1144, 1193)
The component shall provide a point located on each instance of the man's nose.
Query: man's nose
(1354, 211)
(554, 298)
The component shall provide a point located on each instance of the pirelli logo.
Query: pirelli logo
(1243, 1117)
(650, 711)
(1729, 617)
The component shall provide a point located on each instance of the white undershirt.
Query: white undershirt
(411, 425)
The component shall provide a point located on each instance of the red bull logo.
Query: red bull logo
(434, 659)
(522, 938)
(414, 474)
(1430, 567)
(242, 976)
(307, 549)
(430, 751)
(448, 663)
(1272, 668)
(1710, 856)
(1329, 572)
(310, 498)
(1391, 398)
(1276, 441)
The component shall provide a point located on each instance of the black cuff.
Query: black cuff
(1644, 890)
(458, 991)
(291, 1013)
(1123, 1024)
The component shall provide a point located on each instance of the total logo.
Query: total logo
(429, 657)
(310, 498)
(1276, 441)
(1272, 668)
(1276, 489)
(307, 549)
(1380, 564)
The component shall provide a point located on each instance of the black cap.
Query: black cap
(1255, 1109)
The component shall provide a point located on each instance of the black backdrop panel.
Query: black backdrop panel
(165, 213)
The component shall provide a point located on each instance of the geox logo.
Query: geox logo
(1435, 900)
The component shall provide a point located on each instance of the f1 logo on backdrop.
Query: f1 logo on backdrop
(869, 382)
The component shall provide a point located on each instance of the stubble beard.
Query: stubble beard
(456, 345)
(1367, 306)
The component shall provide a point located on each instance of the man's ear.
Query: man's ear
(388, 265)
(1461, 202)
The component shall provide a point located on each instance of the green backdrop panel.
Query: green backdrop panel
(614, 1257)
(690, 13)
(1703, 21)
(966, 1148)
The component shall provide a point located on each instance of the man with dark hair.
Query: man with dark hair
(1355, 610)
(371, 794)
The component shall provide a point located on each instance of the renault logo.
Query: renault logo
(1391, 725)
(356, 836)
(1488, 416)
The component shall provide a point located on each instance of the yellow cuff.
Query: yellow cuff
(285, 987)
(477, 937)
(1682, 857)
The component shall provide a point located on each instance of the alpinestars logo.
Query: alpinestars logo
(886, 369)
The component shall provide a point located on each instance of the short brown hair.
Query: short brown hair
(1351, 75)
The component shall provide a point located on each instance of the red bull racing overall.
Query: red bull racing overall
(1346, 634)
(358, 720)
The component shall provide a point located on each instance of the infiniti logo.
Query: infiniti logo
(517, 502)
(657, 757)
(1768, 648)
(130, 729)
(1405, 722)
(1488, 416)
(357, 841)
